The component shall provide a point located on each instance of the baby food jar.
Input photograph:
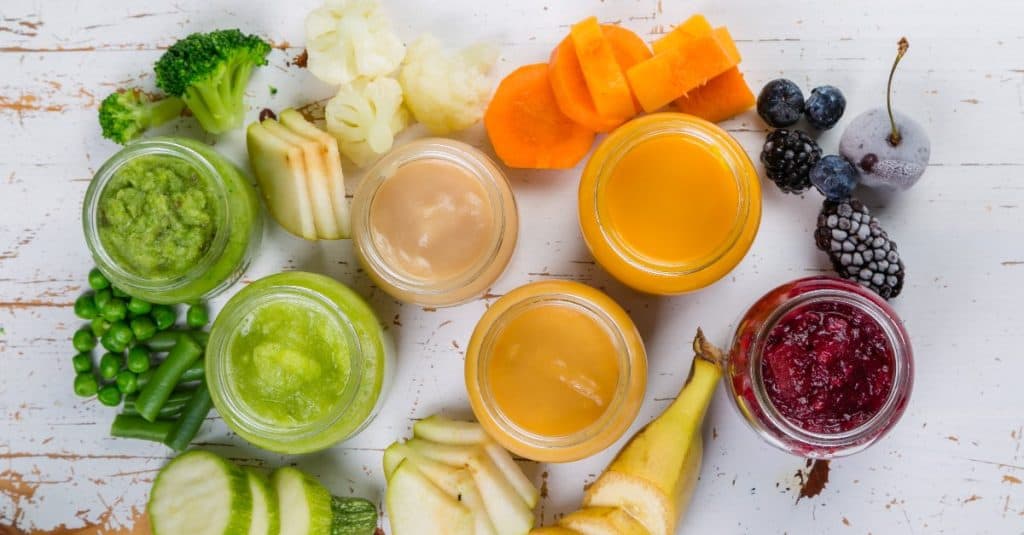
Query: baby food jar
(820, 367)
(669, 203)
(434, 222)
(169, 220)
(555, 371)
(297, 362)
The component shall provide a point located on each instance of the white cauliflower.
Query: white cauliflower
(348, 39)
(446, 92)
(365, 116)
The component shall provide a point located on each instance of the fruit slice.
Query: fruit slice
(671, 74)
(266, 518)
(304, 503)
(280, 170)
(199, 493)
(515, 476)
(605, 79)
(418, 507)
(526, 127)
(723, 97)
(691, 28)
(439, 429)
(294, 121)
(553, 530)
(603, 521)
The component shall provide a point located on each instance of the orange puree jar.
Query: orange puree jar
(669, 203)
(556, 371)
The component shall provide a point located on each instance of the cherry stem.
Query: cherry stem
(894, 136)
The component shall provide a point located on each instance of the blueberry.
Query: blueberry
(781, 103)
(835, 177)
(825, 107)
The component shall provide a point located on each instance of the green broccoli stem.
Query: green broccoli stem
(219, 102)
(164, 110)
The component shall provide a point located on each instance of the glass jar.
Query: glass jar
(169, 220)
(297, 362)
(669, 203)
(434, 222)
(849, 316)
(555, 371)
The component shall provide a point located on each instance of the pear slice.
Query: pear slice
(280, 170)
(294, 121)
(439, 429)
(418, 507)
(554, 530)
(603, 521)
(515, 476)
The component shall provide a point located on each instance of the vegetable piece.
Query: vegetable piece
(526, 127)
(348, 39)
(209, 71)
(418, 507)
(118, 337)
(114, 310)
(102, 296)
(82, 362)
(119, 293)
(157, 390)
(85, 307)
(199, 493)
(172, 407)
(143, 328)
(191, 419)
(352, 516)
(671, 74)
(127, 382)
(83, 340)
(126, 114)
(97, 281)
(164, 316)
(365, 116)
(294, 121)
(138, 359)
(446, 92)
(605, 79)
(166, 340)
(86, 384)
(99, 326)
(723, 97)
(138, 306)
(127, 426)
(280, 169)
(110, 365)
(109, 395)
(197, 316)
(629, 50)
(266, 517)
(304, 503)
(691, 28)
(195, 372)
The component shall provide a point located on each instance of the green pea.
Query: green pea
(109, 395)
(99, 326)
(83, 340)
(114, 310)
(118, 337)
(119, 293)
(197, 316)
(82, 362)
(97, 281)
(138, 359)
(143, 327)
(102, 297)
(127, 382)
(86, 384)
(138, 306)
(85, 307)
(164, 316)
(110, 364)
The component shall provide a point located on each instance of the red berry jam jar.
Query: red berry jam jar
(821, 367)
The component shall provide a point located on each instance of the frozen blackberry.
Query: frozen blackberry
(788, 156)
(781, 103)
(859, 249)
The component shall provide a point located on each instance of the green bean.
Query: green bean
(143, 328)
(85, 306)
(110, 364)
(82, 362)
(197, 316)
(145, 377)
(83, 340)
(165, 340)
(185, 353)
(109, 395)
(102, 297)
(97, 281)
(127, 382)
(164, 316)
(193, 373)
(175, 403)
(139, 307)
(138, 359)
(126, 426)
(191, 419)
(86, 384)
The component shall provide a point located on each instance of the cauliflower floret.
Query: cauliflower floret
(365, 116)
(347, 39)
(446, 92)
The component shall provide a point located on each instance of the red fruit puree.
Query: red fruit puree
(827, 367)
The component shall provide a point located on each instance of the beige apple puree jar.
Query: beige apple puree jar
(435, 222)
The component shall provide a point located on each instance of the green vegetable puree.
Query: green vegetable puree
(158, 216)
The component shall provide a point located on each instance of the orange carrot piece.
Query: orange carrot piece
(723, 97)
(526, 127)
(691, 28)
(671, 74)
(605, 79)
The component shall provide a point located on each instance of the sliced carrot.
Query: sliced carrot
(693, 27)
(605, 79)
(723, 97)
(671, 74)
(570, 86)
(526, 127)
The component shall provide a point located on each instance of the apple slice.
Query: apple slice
(418, 507)
(515, 476)
(294, 121)
(603, 521)
(280, 170)
(439, 429)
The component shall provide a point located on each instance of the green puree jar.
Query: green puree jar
(169, 220)
(297, 362)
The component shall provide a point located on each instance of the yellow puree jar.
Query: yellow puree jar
(669, 203)
(556, 371)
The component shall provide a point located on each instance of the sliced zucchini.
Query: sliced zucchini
(353, 516)
(266, 519)
(199, 493)
(304, 503)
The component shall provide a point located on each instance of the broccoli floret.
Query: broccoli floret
(125, 115)
(209, 71)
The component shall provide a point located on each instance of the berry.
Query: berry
(859, 249)
(881, 164)
(788, 157)
(824, 107)
(835, 177)
(781, 103)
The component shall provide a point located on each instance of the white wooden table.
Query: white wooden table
(953, 465)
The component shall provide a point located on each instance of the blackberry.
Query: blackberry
(859, 249)
(788, 157)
